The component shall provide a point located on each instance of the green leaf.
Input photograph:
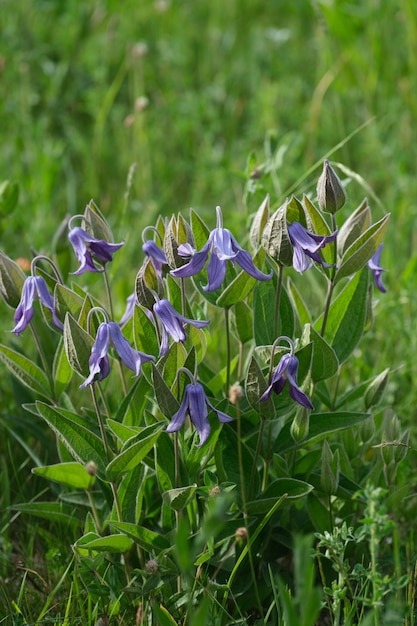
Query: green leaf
(166, 400)
(73, 474)
(83, 444)
(131, 492)
(27, 372)
(243, 321)
(365, 246)
(347, 316)
(169, 364)
(12, 279)
(299, 306)
(147, 539)
(144, 332)
(264, 302)
(255, 386)
(241, 286)
(354, 226)
(321, 425)
(178, 498)
(200, 230)
(324, 362)
(290, 487)
(61, 370)
(134, 451)
(51, 511)
(67, 301)
(114, 544)
(78, 344)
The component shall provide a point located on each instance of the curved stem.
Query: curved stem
(42, 257)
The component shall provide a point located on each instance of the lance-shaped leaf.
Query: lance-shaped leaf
(243, 321)
(259, 222)
(255, 386)
(61, 370)
(67, 301)
(359, 253)
(78, 344)
(147, 539)
(114, 544)
(27, 372)
(134, 451)
(166, 400)
(95, 223)
(144, 333)
(324, 362)
(292, 488)
(74, 475)
(347, 316)
(241, 286)
(275, 237)
(264, 304)
(178, 499)
(353, 227)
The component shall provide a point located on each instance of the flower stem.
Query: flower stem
(43, 359)
(278, 299)
(228, 348)
(332, 284)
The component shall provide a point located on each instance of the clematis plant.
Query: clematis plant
(306, 246)
(172, 323)
(222, 247)
(87, 249)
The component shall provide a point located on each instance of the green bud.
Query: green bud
(148, 283)
(375, 389)
(300, 425)
(330, 469)
(177, 232)
(331, 194)
(275, 238)
(367, 430)
(259, 223)
(356, 224)
(11, 280)
(95, 224)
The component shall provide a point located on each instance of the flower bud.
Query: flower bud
(11, 280)
(376, 388)
(331, 194)
(367, 430)
(275, 238)
(300, 425)
(259, 222)
(95, 224)
(177, 232)
(330, 469)
(148, 283)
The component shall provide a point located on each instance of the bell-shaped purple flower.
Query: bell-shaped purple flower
(156, 255)
(34, 288)
(87, 248)
(107, 333)
(222, 247)
(376, 269)
(306, 246)
(194, 404)
(172, 324)
(287, 370)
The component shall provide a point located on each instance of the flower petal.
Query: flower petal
(198, 411)
(216, 271)
(132, 358)
(99, 361)
(178, 419)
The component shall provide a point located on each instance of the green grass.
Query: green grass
(186, 91)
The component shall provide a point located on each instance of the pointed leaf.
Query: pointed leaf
(61, 370)
(147, 539)
(78, 344)
(144, 332)
(114, 544)
(178, 499)
(291, 487)
(134, 451)
(27, 372)
(255, 386)
(324, 363)
(241, 286)
(166, 400)
(72, 474)
(264, 303)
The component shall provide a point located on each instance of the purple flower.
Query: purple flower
(287, 369)
(194, 404)
(99, 361)
(131, 301)
(88, 248)
(156, 255)
(172, 324)
(306, 246)
(376, 269)
(34, 288)
(222, 247)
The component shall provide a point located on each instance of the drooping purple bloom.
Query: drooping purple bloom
(109, 332)
(172, 324)
(194, 404)
(222, 247)
(88, 248)
(156, 255)
(287, 370)
(34, 288)
(306, 246)
(376, 269)
(131, 301)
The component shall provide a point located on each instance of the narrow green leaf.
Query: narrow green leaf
(73, 474)
(243, 321)
(171, 363)
(264, 303)
(114, 544)
(255, 386)
(83, 444)
(200, 230)
(144, 332)
(67, 301)
(61, 370)
(78, 344)
(51, 511)
(321, 425)
(134, 451)
(166, 400)
(130, 492)
(299, 306)
(27, 372)
(241, 286)
(365, 246)
(290, 487)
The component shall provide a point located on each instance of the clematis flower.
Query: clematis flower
(194, 404)
(306, 246)
(172, 324)
(222, 247)
(109, 332)
(287, 370)
(156, 255)
(376, 269)
(34, 288)
(87, 248)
